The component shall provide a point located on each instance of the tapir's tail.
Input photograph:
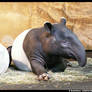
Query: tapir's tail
(9, 51)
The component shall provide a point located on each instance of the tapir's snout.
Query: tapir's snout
(80, 55)
(82, 60)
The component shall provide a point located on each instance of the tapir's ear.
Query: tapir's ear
(48, 26)
(63, 20)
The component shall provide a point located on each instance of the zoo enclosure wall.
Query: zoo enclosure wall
(15, 17)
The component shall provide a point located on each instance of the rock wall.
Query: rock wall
(16, 17)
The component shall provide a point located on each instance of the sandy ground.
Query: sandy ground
(73, 78)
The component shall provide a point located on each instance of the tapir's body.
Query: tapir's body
(21, 50)
(46, 47)
(4, 59)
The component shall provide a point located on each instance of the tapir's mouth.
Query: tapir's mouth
(74, 56)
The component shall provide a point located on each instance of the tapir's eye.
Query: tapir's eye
(65, 44)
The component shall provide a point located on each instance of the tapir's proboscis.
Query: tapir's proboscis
(47, 47)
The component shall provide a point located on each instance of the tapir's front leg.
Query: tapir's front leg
(39, 70)
(61, 65)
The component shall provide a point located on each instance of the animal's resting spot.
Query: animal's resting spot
(71, 74)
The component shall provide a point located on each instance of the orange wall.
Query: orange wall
(16, 17)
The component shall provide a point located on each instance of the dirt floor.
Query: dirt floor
(73, 78)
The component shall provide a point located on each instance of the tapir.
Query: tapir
(40, 49)
(4, 59)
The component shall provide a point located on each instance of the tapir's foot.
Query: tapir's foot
(44, 77)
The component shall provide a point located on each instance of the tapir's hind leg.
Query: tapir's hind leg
(9, 51)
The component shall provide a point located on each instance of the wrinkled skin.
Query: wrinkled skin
(48, 47)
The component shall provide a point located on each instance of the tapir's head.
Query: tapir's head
(59, 40)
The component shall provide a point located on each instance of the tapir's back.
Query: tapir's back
(18, 55)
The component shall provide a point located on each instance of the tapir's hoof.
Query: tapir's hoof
(44, 77)
(4, 59)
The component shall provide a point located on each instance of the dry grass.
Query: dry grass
(74, 73)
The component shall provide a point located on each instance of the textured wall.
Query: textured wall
(16, 17)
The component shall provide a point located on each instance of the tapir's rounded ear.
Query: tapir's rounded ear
(63, 20)
(48, 26)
